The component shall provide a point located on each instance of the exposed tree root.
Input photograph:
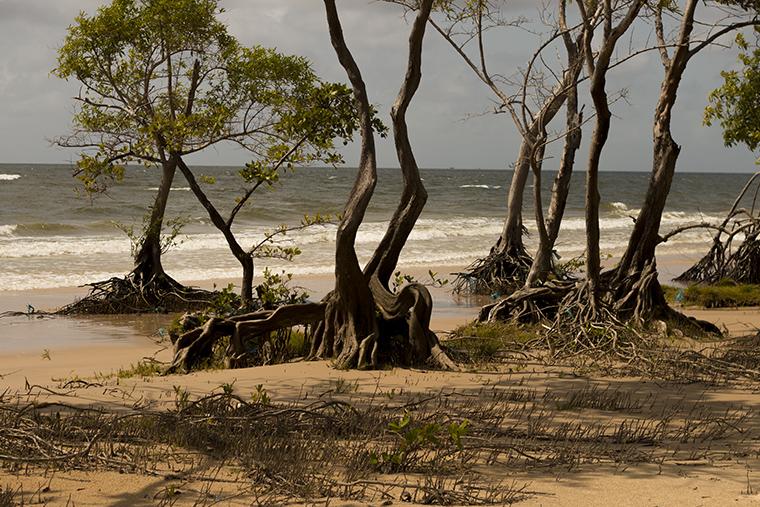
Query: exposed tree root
(742, 265)
(401, 335)
(529, 304)
(721, 263)
(124, 295)
(616, 324)
(501, 272)
(411, 309)
(248, 333)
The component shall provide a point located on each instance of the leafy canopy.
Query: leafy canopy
(735, 105)
(164, 78)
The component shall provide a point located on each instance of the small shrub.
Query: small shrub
(275, 290)
(260, 395)
(725, 294)
(414, 441)
(482, 341)
(141, 369)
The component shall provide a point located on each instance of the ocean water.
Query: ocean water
(52, 237)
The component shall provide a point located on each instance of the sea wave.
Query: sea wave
(183, 189)
(434, 234)
(491, 187)
(7, 230)
(9, 177)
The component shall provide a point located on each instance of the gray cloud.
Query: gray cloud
(35, 106)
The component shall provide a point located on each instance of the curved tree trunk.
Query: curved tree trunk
(413, 196)
(599, 139)
(412, 305)
(243, 257)
(148, 269)
(350, 310)
(640, 253)
(510, 242)
(542, 262)
(351, 331)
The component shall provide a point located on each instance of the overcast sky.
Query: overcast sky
(446, 126)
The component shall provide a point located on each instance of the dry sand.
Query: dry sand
(46, 353)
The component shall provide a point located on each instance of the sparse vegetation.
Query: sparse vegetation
(7, 497)
(449, 447)
(144, 368)
(484, 341)
(726, 294)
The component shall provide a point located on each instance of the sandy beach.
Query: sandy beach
(76, 361)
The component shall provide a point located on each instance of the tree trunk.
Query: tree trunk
(243, 257)
(350, 310)
(645, 237)
(148, 269)
(542, 262)
(351, 330)
(413, 196)
(510, 241)
(598, 140)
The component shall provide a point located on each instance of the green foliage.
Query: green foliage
(400, 279)
(483, 341)
(275, 290)
(735, 105)
(225, 302)
(260, 395)
(141, 369)
(164, 77)
(570, 267)
(725, 294)
(181, 398)
(268, 248)
(228, 388)
(413, 439)
(171, 231)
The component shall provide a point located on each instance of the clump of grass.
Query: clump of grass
(8, 497)
(725, 294)
(484, 341)
(145, 368)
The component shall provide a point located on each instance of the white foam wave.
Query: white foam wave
(7, 230)
(492, 187)
(9, 177)
(183, 189)
(435, 233)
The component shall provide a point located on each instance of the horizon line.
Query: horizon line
(450, 168)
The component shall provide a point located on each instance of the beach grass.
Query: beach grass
(726, 294)
(485, 341)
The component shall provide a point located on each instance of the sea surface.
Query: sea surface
(52, 236)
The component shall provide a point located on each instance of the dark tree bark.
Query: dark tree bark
(350, 331)
(148, 269)
(350, 311)
(633, 298)
(548, 233)
(598, 69)
(225, 227)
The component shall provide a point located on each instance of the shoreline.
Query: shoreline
(34, 334)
